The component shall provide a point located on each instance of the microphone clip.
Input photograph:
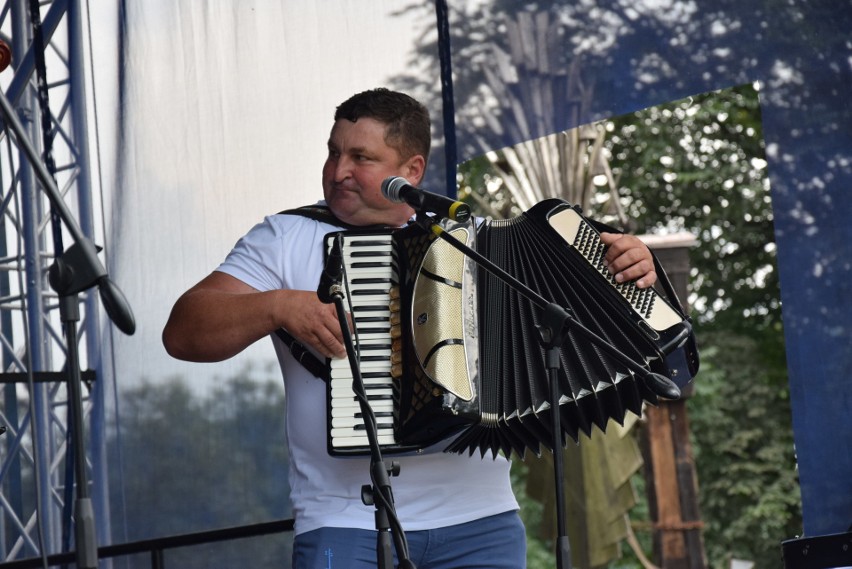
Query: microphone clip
(330, 285)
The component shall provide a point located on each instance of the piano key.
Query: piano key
(383, 410)
(355, 431)
(361, 440)
(349, 406)
(381, 277)
(368, 361)
(369, 276)
(362, 265)
(379, 407)
(344, 395)
(343, 390)
(367, 378)
(356, 423)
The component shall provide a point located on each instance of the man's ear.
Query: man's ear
(415, 169)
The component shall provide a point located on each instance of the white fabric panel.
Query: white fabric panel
(227, 109)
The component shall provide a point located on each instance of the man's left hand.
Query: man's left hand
(629, 259)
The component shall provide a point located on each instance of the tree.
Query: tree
(191, 461)
(640, 54)
(698, 164)
(744, 452)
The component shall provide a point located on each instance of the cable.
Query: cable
(109, 329)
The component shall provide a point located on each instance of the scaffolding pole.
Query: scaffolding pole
(36, 489)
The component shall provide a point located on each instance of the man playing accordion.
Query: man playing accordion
(458, 511)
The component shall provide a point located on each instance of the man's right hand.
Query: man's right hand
(221, 316)
(313, 323)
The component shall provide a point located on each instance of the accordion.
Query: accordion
(448, 352)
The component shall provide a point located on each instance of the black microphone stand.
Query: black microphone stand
(556, 321)
(379, 493)
(76, 270)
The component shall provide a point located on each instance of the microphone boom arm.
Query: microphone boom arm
(81, 260)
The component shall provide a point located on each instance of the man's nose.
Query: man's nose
(342, 169)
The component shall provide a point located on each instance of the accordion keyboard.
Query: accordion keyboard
(368, 265)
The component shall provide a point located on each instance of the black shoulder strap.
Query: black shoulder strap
(319, 212)
(302, 355)
(316, 212)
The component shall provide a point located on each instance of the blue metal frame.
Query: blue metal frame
(45, 432)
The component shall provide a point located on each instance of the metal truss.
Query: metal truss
(36, 479)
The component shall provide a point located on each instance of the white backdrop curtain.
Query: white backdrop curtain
(211, 115)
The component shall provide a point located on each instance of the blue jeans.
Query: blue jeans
(495, 542)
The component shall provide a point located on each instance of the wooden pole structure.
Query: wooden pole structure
(671, 481)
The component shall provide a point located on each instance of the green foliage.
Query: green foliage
(187, 460)
(540, 553)
(741, 427)
(698, 165)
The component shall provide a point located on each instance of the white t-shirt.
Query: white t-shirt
(432, 490)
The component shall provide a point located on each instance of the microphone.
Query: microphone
(397, 189)
(329, 285)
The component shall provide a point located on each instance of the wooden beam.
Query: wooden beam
(671, 480)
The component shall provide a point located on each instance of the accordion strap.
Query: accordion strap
(319, 212)
(299, 352)
(309, 361)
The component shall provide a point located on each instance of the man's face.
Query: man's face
(357, 163)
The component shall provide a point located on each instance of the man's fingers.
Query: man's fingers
(647, 280)
(331, 336)
(628, 259)
(333, 345)
(643, 273)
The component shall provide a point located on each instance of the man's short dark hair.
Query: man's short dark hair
(408, 128)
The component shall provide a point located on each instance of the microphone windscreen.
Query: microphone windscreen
(392, 188)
